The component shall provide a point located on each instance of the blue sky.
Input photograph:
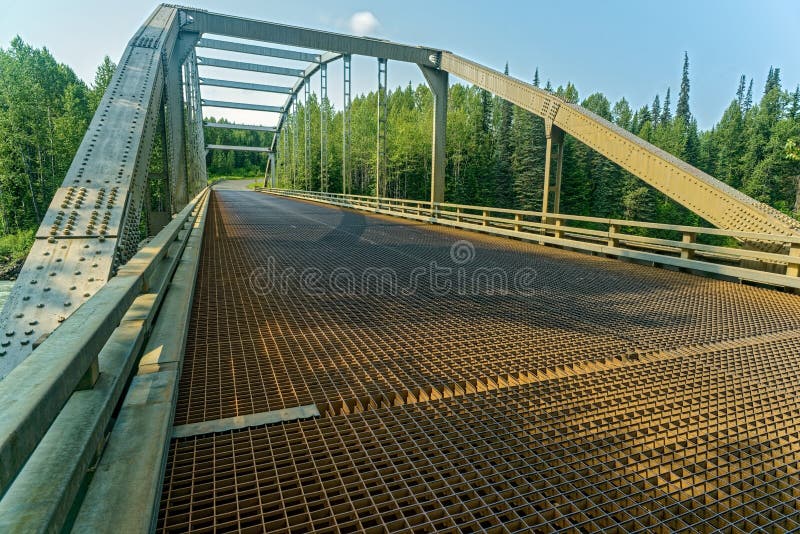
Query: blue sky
(622, 48)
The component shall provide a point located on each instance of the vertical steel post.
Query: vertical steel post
(285, 151)
(559, 136)
(271, 165)
(306, 136)
(323, 127)
(546, 192)
(380, 163)
(295, 143)
(438, 82)
(346, 126)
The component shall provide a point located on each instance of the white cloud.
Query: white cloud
(363, 23)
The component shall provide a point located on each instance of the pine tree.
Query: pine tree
(666, 112)
(536, 78)
(622, 115)
(740, 91)
(748, 99)
(503, 144)
(102, 78)
(656, 110)
(794, 104)
(682, 110)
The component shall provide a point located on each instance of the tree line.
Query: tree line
(496, 150)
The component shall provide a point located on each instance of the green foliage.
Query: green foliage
(44, 111)
(15, 246)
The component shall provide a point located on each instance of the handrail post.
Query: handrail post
(517, 218)
(688, 253)
(485, 215)
(458, 215)
(559, 233)
(793, 268)
(613, 241)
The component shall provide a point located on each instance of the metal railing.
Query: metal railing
(612, 237)
(58, 403)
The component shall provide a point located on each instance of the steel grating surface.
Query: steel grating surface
(607, 395)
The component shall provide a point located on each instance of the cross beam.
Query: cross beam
(251, 67)
(239, 105)
(239, 148)
(246, 86)
(231, 126)
(256, 50)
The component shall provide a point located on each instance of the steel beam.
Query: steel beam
(256, 50)
(231, 126)
(346, 124)
(110, 169)
(239, 148)
(439, 84)
(380, 162)
(323, 127)
(230, 26)
(246, 86)
(239, 105)
(306, 135)
(713, 200)
(251, 67)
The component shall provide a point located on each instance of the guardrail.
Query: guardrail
(58, 403)
(612, 237)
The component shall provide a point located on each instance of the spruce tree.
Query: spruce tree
(656, 110)
(682, 110)
(740, 91)
(748, 99)
(666, 112)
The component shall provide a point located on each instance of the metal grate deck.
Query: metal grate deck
(608, 395)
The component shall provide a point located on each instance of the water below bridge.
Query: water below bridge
(472, 383)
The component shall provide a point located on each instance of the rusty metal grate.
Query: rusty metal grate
(612, 396)
(665, 445)
(250, 353)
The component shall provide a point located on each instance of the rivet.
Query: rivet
(18, 316)
(24, 341)
(67, 304)
(9, 333)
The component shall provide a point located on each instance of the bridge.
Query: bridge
(282, 360)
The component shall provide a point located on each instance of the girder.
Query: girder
(252, 67)
(258, 50)
(92, 223)
(231, 126)
(246, 86)
(713, 200)
(240, 105)
(257, 30)
(239, 148)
